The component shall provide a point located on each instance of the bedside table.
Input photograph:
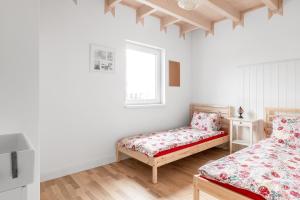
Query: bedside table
(237, 124)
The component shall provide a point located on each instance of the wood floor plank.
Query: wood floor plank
(131, 180)
(71, 181)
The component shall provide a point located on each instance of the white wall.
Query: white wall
(82, 114)
(217, 79)
(19, 73)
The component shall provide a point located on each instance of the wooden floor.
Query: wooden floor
(130, 179)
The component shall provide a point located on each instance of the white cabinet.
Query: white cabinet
(16, 194)
(16, 166)
(16, 162)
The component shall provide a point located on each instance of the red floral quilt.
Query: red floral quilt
(268, 168)
(153, 143)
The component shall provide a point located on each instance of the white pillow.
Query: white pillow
(206, 121)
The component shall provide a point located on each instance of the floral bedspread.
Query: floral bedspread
(268, 168)
(153, 143)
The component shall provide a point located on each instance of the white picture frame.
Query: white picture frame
(102, 59)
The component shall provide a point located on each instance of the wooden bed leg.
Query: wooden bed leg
(154, 174)
(196, 188)
(196, 193)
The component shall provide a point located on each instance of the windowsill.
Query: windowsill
(145, 105)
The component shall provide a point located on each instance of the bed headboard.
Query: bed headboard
(270, 113)
(225, 112)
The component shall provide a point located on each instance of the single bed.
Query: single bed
(160, 148)
(269, 169)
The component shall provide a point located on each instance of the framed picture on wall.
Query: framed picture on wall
(102, 59)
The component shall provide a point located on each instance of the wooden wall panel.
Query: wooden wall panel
(174, 73)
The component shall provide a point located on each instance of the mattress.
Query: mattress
(161, 143)
(267, 170)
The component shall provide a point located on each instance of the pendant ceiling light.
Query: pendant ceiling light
(188, 4)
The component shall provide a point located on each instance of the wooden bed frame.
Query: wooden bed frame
(222, 193)
(156, 162)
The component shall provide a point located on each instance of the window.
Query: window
(144, 74)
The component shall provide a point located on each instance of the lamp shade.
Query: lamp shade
(188, 4)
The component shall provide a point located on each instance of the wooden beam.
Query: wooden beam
(185, 28)
(241, 22)
(167, 21)
(109, 6)
(224, 9)
(211, 32)
(275, 7)
(170, 7)
(271, 4)
(142, 12)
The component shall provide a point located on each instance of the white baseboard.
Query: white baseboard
(76, 168)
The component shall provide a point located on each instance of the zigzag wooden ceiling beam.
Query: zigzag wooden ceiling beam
(275, 7)
(226, 10)
(170, 13)
(212, 31)
(142, 12)
(167, 21)
(185, 28)
(271, 4)
(110, 5)
(169, 7)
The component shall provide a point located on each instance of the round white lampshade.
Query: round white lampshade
(188, 4)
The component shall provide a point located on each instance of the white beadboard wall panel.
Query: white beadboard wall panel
(260, 91)
(297, 86)
(273, 84)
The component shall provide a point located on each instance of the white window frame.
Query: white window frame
(160, 75)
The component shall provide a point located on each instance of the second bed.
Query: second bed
(160, 148)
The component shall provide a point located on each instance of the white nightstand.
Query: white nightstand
(237, 124)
